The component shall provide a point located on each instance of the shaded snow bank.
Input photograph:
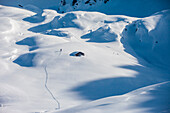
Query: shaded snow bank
(150, 99)
(149, 38)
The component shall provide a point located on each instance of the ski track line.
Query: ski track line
(46, 81)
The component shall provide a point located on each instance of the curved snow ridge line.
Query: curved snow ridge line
(134, 92)
(148, 39)
(150, 87)
(110, 102)
(46, 81)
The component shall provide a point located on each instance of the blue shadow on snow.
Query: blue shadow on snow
(102, 88)
(30, 41)
(26, 60)
(35, 18)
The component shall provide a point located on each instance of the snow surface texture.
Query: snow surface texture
(125, 69)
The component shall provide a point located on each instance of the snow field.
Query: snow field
(120, 66)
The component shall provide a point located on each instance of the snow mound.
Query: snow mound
(26, 60)
(80, 20)
(29, 41)
(35, 18)
(66, 21)
(101, 35)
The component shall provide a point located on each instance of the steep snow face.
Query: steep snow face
(101, 35)
(149, 38)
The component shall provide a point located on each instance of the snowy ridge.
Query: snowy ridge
(125, 67)
(149, 38)
(129, 100)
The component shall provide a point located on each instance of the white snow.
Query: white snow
(125, 68)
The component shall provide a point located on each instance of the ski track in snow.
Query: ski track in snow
(46, 86)
(46, 83)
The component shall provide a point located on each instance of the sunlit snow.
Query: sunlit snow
(108, 57)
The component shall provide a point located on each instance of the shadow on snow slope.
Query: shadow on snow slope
(152, 46)
(147, 73)
(151, 99)
(102, 88)
(26, 60)
(51, 28)
(37, 18)
(160, 99)
(48, 30)
(29, 41)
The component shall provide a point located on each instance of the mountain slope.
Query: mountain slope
(154, 98)
(40, 74)
(149, 38)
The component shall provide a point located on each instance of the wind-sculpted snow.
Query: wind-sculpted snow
(26, 60)
(101, 35)
(116, 86)
(30, 41)
(150, 99)
(150, 44)
(64, 22)
(48, 30)
(123, 64)
(79, 20)
(35, 18)
(51, 28)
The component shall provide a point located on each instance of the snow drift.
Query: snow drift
(149, 38)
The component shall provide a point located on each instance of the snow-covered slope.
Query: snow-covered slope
(124, 57)
(149, 38)
(154, 98)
